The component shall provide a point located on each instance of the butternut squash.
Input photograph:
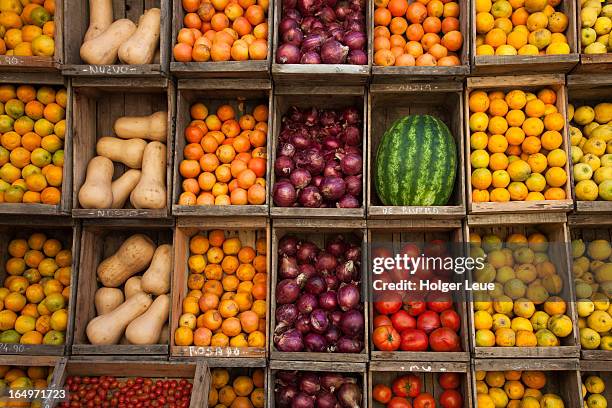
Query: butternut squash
(150, 192)
(100, 18)
(107, 299)
(146, 329)
(140, 47)
(128, 152)
(156, 279)
(108, 328)
(123, 186)
(96, 190)
(164, 337)
(132, 286)
(152, 127)
(133, 256)
(103, 49)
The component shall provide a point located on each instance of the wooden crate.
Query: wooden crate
(97, 104)
(77, 22)
(590, 228)
(319, 231)
(390, 102)
(34, 63)
(554, 227)
(63, 208)
(243, 95)
(319, 74)
(99, 240)
(505, 64)
(57, 363)
(563, 377)
(68, 232)
(321, 97)
(195, 372)
(590, 63)
(385, 372)
(601, 369)
(434, 74)
(358, 371)
(590, 89)
(529, 83)
(400, 232)
(248, 232)
(236, 367)
(252, 69)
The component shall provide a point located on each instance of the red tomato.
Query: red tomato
(439, 302)
(382, 320)
(402, 320)
(386, 338)
(411, 250)
(424, 400)
(428, 321)
(407, 386)
(382, 393)
(414, 307)
(449, 318)
(451, 399)
(444, 339)
(449, 380)
(436, 248)
(389, 303)
(414, 340)
(399, 402)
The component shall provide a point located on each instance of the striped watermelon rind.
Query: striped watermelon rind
(416, 163)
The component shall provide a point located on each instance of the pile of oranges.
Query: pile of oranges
(223, 30)
(27, 28)
(21, 377)
(423, 33)
(226, 304)
(35, 294)
(520, 27)
(237, 391)
(517, 150)
(32, 129)
(225, 158)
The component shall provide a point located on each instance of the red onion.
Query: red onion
(332, 282)
(352, 323)
(307, 252)
(328, 117)
(336, 246)
(311, 116)
(300, 141)
(328, 300)
(314, 161)
(326, 262)
(348, 201)
(354, 253)
(309, 383)
(292, 13)
(350, 395)
(348, 297)
(342, 10)
(357, 57)
(283, 166)
(307, 303)
(288, 245)
(286, 378)
(286, 314)
(335, 317)
(309, 6)
(332, 3)
(345, 272)
(331, 142)
(315, 285)
(307, 271)
(312, 42)
(319, 321)
(332, 52)
(302, 324)
(350, 116)
(332, 169)
(284, 194)
(288, 54)
(287, 291)
(354, 26)
(333, 381)
(308, 23)
(289, 4)
(357, 5)
(288, 268)
(333, 188)
(348, 344)
(351, 136)
(355, 40)
(290, 340)
(303, 400)
(300, 178)
(285, 395)
(295, 114)
(286, 24)
(327, 15)
(353, 185)
(293, 36)
(352, 149)
(317, 180)
(310, 57)
(315, 343)
(332, 335)
(351, 164)
(326, 399)
(337, 33)
(286, 149)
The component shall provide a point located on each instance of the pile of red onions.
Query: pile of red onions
(307, 389)
(322, 32)
(319, 159)
(318, 297)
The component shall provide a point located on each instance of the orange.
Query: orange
(481, 178)
(518, 191)
(534, 379)
(495, 38)
(515, 136)
(231, 327)
(548, 96)
(382, 16)
(498, 161)
(498, 126)
(499, 195)
(243, 386)
(537, 162)
(556, 177)
(497, 143)
(554, 121)
(478, 101)
(535, 108)
(551, 140)
(501, 179)
(498, 107)
(183, 336)
(554, 193)
(533, 127)
(515, 117)
(516, 99)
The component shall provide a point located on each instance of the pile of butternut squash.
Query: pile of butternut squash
(145, 181)
(107, 39)
(137, 313)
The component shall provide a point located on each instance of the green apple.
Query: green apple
(582, 171)
(605, 190)
(606, 160)
(587, 36)
(576, 154)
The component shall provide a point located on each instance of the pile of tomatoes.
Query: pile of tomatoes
(136, 392)
(416, 325)
(410, 386)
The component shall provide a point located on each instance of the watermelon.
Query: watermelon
(416, 162)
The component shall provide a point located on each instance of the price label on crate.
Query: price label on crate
(109, 69)
(6, 348)
(11, 60)
(195, 351)
(410, 210)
